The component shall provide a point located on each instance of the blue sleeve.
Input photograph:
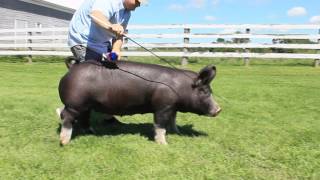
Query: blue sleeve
(105, 6)
(126, 20)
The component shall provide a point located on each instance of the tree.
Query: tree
(240, 40)
(221, 40)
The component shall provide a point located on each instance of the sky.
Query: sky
(221, 11)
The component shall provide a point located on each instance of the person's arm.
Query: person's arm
(117, 29)
(98, 18)
(116, 46)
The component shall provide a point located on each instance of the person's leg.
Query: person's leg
(92, 55)
(79, 52)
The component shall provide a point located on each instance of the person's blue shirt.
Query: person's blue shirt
(83, 31)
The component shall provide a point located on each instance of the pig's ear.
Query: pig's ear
(206, 75)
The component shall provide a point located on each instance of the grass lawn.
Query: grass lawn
(269, 129)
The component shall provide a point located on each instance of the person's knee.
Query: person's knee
(79, 52)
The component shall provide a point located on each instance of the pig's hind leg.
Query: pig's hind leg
(84, 123)
(68, 118)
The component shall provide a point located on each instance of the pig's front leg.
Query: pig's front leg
(161, 120)
(172, 126)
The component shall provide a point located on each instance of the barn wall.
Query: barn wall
(18, 13)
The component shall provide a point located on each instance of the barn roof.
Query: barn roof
(50, 5)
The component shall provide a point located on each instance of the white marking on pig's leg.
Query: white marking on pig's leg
(65, 135)
(59, 110)
(66, 128)
(160, 135)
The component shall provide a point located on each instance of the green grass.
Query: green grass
(269, 129)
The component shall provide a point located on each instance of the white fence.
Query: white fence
(217, 40)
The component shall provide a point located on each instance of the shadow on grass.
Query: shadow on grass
(282, 62)
(119, 128)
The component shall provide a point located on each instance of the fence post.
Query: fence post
(317, 61)
(247, 59)
(186, 40)
(125, 41)
(29, 41)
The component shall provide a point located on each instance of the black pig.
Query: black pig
(127, 88)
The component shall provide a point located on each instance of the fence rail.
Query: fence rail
(186, 40)
(172, 45)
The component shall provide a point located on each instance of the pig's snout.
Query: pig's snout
(215, 111)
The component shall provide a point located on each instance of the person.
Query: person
(97, 28)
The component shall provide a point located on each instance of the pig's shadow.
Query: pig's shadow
(144, 129)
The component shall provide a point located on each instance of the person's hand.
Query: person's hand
(117, 29)
(118, 54)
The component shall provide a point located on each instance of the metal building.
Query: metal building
(33, 14)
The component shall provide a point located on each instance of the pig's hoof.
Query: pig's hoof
(160, 136)
(65, 136)
(161, 140)
(176, 130)
(163, 143)
(63, 142)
